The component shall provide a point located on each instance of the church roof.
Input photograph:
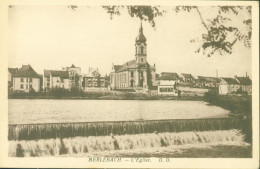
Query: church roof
(130, 65)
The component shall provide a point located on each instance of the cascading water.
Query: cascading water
(138, 142)
(63, 130)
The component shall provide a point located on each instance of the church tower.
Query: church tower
(140, 47)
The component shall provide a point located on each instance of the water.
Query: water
(122, 144)
(23, 111)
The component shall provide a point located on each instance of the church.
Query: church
(135, 74)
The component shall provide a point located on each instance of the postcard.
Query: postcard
(130, 84)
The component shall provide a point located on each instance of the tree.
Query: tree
(219, 37)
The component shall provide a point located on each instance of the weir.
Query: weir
(121, 145)
(65, 130)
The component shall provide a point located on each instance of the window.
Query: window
(142, 74)
(48, 84)
(30, 79)
(62, 80)
(27, 86)
(142, 49)
(21, 86)
(132, 74)
(161, 90)
(142, 59)
(21, 79)
(26, 79)
(30, 86)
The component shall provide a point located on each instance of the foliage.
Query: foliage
(238, 105)
(145, 13)
(219, 37)
(149, 77)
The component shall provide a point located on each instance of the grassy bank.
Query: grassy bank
(240, 106)
(107, 95)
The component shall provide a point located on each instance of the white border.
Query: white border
(68, 162)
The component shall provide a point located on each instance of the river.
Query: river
(24, 111)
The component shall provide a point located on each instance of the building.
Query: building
(228, 85)
(188, 78)
(11, 72)
(93, 79)
(135, 74)
(169, 76)
(75, 76)
(207, 82)
(166, 87)
(246, 84)
(56, 79)
(26, 79)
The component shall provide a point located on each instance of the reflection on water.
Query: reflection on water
(103, 145)
(58, 111)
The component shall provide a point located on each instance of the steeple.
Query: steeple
(141, 38)
(140, 46)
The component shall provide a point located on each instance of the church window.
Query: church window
(132, 83)
(142, 49)
(132, 74)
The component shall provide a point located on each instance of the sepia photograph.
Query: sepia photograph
(114, 82)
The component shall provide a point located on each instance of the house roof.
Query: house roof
(230, 80)
(12, 70)
(168, 76)
(60, 73)
(187, 75)
(208, 79)
(26, 71)
(56, 73)
(244, 80)
(92, 73)
(130, 65)
(167, 83)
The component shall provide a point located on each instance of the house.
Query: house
(228, 85)
(26, 79)
(75, 76)
(207, 82)
(93, 79)
(56, 79)
(187, 77)
(136, 74)
(170, 76)
(166, 87)
(11, 72)
(246, 84)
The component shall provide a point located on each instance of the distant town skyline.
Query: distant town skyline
(52, 37)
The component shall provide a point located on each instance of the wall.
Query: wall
(26, 84)
(189, 91)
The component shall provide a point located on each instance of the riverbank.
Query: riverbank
(112, 95)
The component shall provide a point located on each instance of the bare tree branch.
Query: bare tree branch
(202, 20)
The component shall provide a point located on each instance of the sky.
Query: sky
(52, 37)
